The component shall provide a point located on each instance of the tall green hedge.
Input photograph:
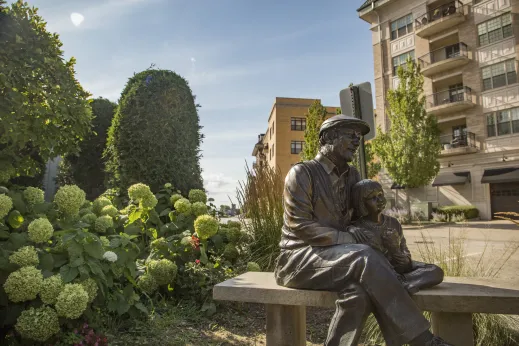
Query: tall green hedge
(155, 134)
(86, 169)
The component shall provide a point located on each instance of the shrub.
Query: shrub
(439, 217)
(163, 271)
(45, 104)
(86, 169)
(469, 211)
(156, 106)
(197, 195)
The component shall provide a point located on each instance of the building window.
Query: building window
(296, 147)
(298, 124)
(498, 75)
(401, 60)
(495, 29)
(503, 122)
(401, 27)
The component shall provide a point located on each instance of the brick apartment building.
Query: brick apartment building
(281, 144)
(468, 54)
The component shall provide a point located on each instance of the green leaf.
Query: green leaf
(115, 242)
(59, 259)
(128, 292)
(96, 269)
(154, 217)
(141, 307)
(134, 216)
(132, 230)
(132, 267)
(172, 216)
(74, 249)
(47, 262)
(165, 212)
(217, 241)
(68, 273)
(18, 202)
(84, 273)
(18, 239)
(112, 305)
(76, 262)
(15, 219)
(94, 249)
(122, 307)
(4, 235)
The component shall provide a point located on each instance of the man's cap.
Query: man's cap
(346, 121)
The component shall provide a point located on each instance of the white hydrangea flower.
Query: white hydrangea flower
(110, 256)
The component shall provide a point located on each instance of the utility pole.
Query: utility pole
(357, 101)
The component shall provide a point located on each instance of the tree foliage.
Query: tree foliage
(86, 169)
(44, 111)
(409, 151)
(315, 117)
(155, 134)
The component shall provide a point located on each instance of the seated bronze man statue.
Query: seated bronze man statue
(322, 250)
(384, 233)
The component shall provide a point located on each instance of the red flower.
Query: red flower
(197, 261)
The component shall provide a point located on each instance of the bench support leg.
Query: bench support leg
(286, 325)
(455, 328)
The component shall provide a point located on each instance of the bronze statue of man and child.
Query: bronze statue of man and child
(336, 238)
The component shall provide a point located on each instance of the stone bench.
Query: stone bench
(452, 304)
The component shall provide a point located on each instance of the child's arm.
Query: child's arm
(399, 255)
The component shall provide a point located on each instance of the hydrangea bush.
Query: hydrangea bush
(62, 260)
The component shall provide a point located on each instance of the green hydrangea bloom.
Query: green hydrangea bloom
(186, 241)
(163, 271)
(25, 257)
(99, 204)
(197, 195)
(223, 231)
(6, 204)
(206, 226)
(253, 267)
(33, 195)
(51, 288)
(174, 198)
(103, 223)
(139, 191)
(199, 208)
(40, 230)
(69, 199)
(159, 244)
(72, 301)
(23, 284)
(147, 283)
(38, 324)
(234, 235)
(90, 286)
(104, 241)
(109, 210)
(149, 202)
(230, 252)
(168, 186)
(89, 218)
(183, 206)
(84, 211)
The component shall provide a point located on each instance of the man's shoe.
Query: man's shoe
(437, 341)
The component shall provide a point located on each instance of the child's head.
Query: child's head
(367, 197)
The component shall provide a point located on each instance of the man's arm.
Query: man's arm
(299, 212)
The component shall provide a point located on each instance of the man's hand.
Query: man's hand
(361, 236)
(391, 239)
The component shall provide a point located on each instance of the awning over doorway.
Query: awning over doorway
(456, 178)
(500, 175)
(395, 186)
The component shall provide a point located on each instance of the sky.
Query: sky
(237, 55)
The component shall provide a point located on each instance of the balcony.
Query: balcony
(458, 145)
(450, 100)
(440, 19)
(444, 59)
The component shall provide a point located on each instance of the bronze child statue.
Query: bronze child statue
(384, 233)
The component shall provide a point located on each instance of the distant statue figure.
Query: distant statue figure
(320, 248)
(384, 233)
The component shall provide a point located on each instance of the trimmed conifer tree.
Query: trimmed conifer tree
(155, 134)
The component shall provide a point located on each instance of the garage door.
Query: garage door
(504, 197)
